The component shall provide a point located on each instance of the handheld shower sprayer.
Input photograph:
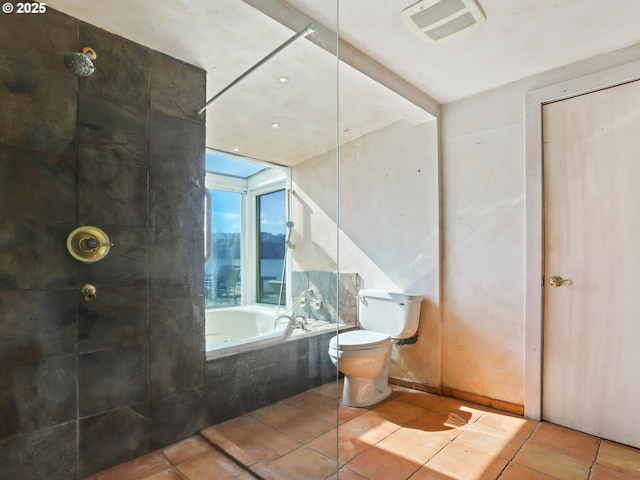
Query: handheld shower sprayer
(290, 226)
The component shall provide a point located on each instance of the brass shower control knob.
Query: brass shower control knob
(88, 244)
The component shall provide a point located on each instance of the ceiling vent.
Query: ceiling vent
(435, 20)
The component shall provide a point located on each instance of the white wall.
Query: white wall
(388, 216)
(313, 204)
(483, 208)
(473, 341)
(389, 229)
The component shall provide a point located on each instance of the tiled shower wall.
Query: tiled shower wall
(84, 386)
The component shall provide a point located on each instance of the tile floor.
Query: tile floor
(411, 435)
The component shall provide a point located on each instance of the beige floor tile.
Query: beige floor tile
(210, 465)
(166, 475)
(184, 450)
(428, 473)
(399, 411)
(344, 474)
(459, 411)
(619, 457)
(377, 463)
(331, 389)
(598, 472)
(576, 443)
(420, 399)
(328, 410)
(437, 422)
(518, 472)
(507, 423)
(391, 440)
(276, 413)
(491, 441)
(310, 401)
(303, 463)
(552, 461)
(419, 445)
(137, 469)
(305, 427)
(344, 442)
(370, 426)
(347, 413)
(237, 428)
(467, 463)
(267, 445)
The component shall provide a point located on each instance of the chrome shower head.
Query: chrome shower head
(81, 63)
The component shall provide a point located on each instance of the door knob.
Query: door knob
(557, 281)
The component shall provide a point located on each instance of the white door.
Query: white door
(591, 373)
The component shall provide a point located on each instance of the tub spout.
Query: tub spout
(279, 319)
(292, 323)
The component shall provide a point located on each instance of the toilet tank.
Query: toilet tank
(393, 313)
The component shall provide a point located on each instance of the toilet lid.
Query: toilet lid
(358, 340)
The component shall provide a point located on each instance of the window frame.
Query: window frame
(272, 179)
(262, 186)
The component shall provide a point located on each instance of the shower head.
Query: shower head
(81, 63)
(290, 224)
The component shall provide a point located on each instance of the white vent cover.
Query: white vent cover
(435, 20)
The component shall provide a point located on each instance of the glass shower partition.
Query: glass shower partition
(279, 110)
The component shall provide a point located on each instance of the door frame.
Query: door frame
(534, 212)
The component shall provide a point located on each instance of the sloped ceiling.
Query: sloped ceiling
(227, 37)
(520, 38)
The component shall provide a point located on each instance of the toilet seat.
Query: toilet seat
(358, 340)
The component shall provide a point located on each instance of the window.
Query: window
(222, 272)
(246, 231)
(271, 247)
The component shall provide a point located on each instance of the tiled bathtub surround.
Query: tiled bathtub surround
(86, 386)
(335, 290)
(245, 381)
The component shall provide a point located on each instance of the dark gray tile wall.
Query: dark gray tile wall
(84, 386)
(246, 381)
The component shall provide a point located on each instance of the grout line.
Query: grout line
(232, 457)
(595, 459)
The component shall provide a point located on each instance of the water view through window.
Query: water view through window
(222, 274)
(248, 212)
(271, 247)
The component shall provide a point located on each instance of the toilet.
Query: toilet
(363, 355)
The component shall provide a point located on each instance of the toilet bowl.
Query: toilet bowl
(363, 356)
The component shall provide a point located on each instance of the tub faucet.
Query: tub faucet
(292, 323)
(279, 318)
(297, 321)
(301, 322)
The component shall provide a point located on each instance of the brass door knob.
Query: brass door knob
(557, 281)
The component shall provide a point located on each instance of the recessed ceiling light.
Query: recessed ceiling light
(275, 125)
(236, 149)
(283, 79)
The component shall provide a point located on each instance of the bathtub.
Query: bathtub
(231, 330)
